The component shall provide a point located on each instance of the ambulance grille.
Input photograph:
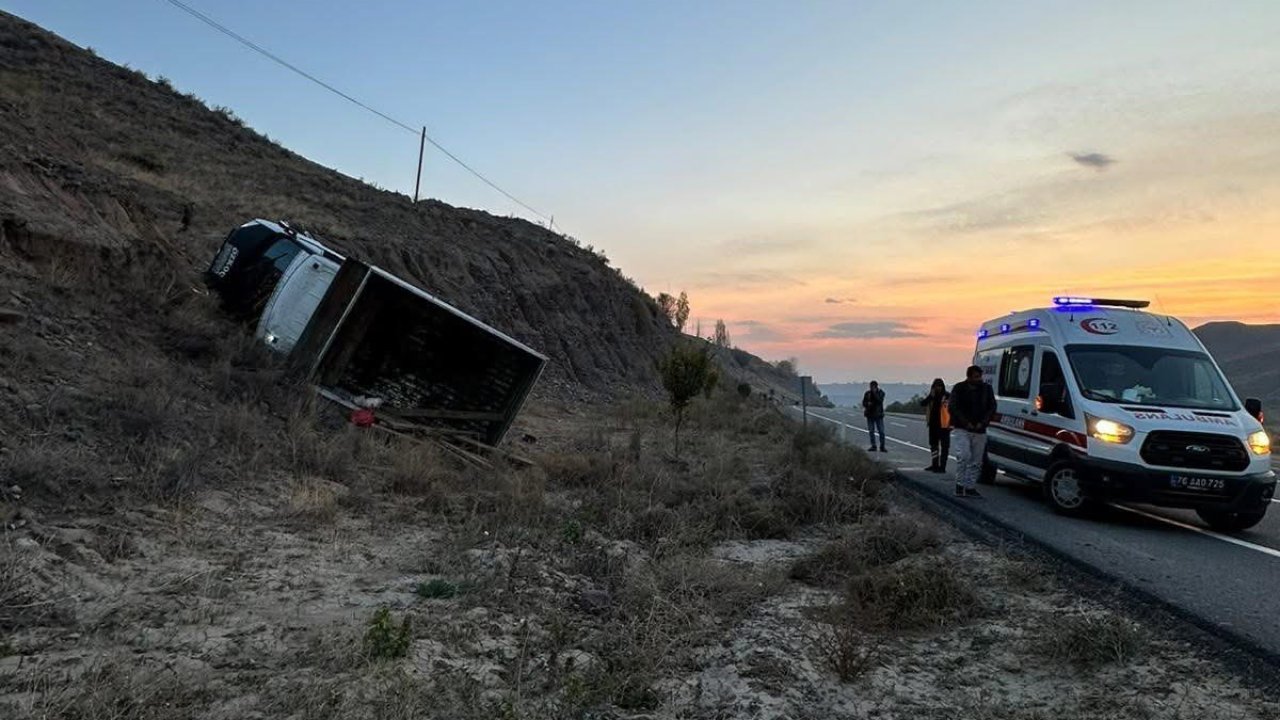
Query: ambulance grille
(1195, 451)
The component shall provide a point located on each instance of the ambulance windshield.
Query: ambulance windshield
(1149, 376)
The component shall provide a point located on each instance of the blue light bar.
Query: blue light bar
(1033, 323)
(1004, 328)
(982, 334)
(1071, 301)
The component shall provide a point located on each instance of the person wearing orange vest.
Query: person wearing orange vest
(938, 417)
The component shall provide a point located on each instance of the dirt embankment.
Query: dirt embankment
(99, 157)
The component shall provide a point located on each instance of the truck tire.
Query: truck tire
(1230, 522)
(1063, 492)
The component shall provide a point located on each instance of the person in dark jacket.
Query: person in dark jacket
(973, 406)
(938, 418)
(873, 410)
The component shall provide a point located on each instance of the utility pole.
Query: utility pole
(422, 145)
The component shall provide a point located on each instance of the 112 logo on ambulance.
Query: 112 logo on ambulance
(1100, 326)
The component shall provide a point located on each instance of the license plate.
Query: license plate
(1200, 484)
(225, 259)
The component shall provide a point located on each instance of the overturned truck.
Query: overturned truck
(358, 332)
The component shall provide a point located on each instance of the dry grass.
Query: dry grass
(659, 618)
(1092, 639)
(877, 542)
(923, 593)
(313, 500)
(847, 650)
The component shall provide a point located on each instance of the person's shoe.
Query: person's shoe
(882, 449)
(972, 493)
(871, 449)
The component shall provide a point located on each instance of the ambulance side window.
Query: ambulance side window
(1015, 372)
(1052, 380)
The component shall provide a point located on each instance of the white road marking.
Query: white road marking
(1185, 526)
(896, 424)
(864, 430)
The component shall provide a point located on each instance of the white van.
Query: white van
(1100, 400)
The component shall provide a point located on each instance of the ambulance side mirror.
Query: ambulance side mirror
(1253, 406)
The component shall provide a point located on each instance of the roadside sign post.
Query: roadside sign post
(804, 398)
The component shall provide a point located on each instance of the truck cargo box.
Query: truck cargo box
(375, 335)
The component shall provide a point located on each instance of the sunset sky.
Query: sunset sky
(858, 184)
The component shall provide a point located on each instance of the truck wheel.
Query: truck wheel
(1224, 521)
(1063, 492)
(988, 474)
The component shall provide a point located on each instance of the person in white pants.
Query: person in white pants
(973, 405)
(969, 448)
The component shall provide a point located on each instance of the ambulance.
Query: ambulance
(1099, 400)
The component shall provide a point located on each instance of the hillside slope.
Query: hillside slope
(102, 169)
(1249, 355)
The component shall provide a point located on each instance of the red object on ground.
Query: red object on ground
(362, 417)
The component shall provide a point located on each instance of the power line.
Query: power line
(281, 61)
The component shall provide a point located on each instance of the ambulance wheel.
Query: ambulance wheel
(988, 474)
(1224, 521)
(1063, 492)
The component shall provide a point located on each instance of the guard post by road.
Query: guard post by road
(805, 381)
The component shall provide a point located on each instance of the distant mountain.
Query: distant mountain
(1250, 356)
(850, 393)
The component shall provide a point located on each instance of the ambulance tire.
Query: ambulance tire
(988, 474)
(1224, 521)
(1063, 492)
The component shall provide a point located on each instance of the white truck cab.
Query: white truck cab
(295, 299)
(1100, 400)
(270, 268)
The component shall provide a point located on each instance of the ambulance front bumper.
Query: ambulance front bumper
(1111, 480)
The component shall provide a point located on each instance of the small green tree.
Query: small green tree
(685, 373)
(682, 311)
(385, 640)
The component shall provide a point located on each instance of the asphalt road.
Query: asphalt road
(1232, 582)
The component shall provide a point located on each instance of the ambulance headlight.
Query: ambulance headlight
(1108, 431)
(1260, 443)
